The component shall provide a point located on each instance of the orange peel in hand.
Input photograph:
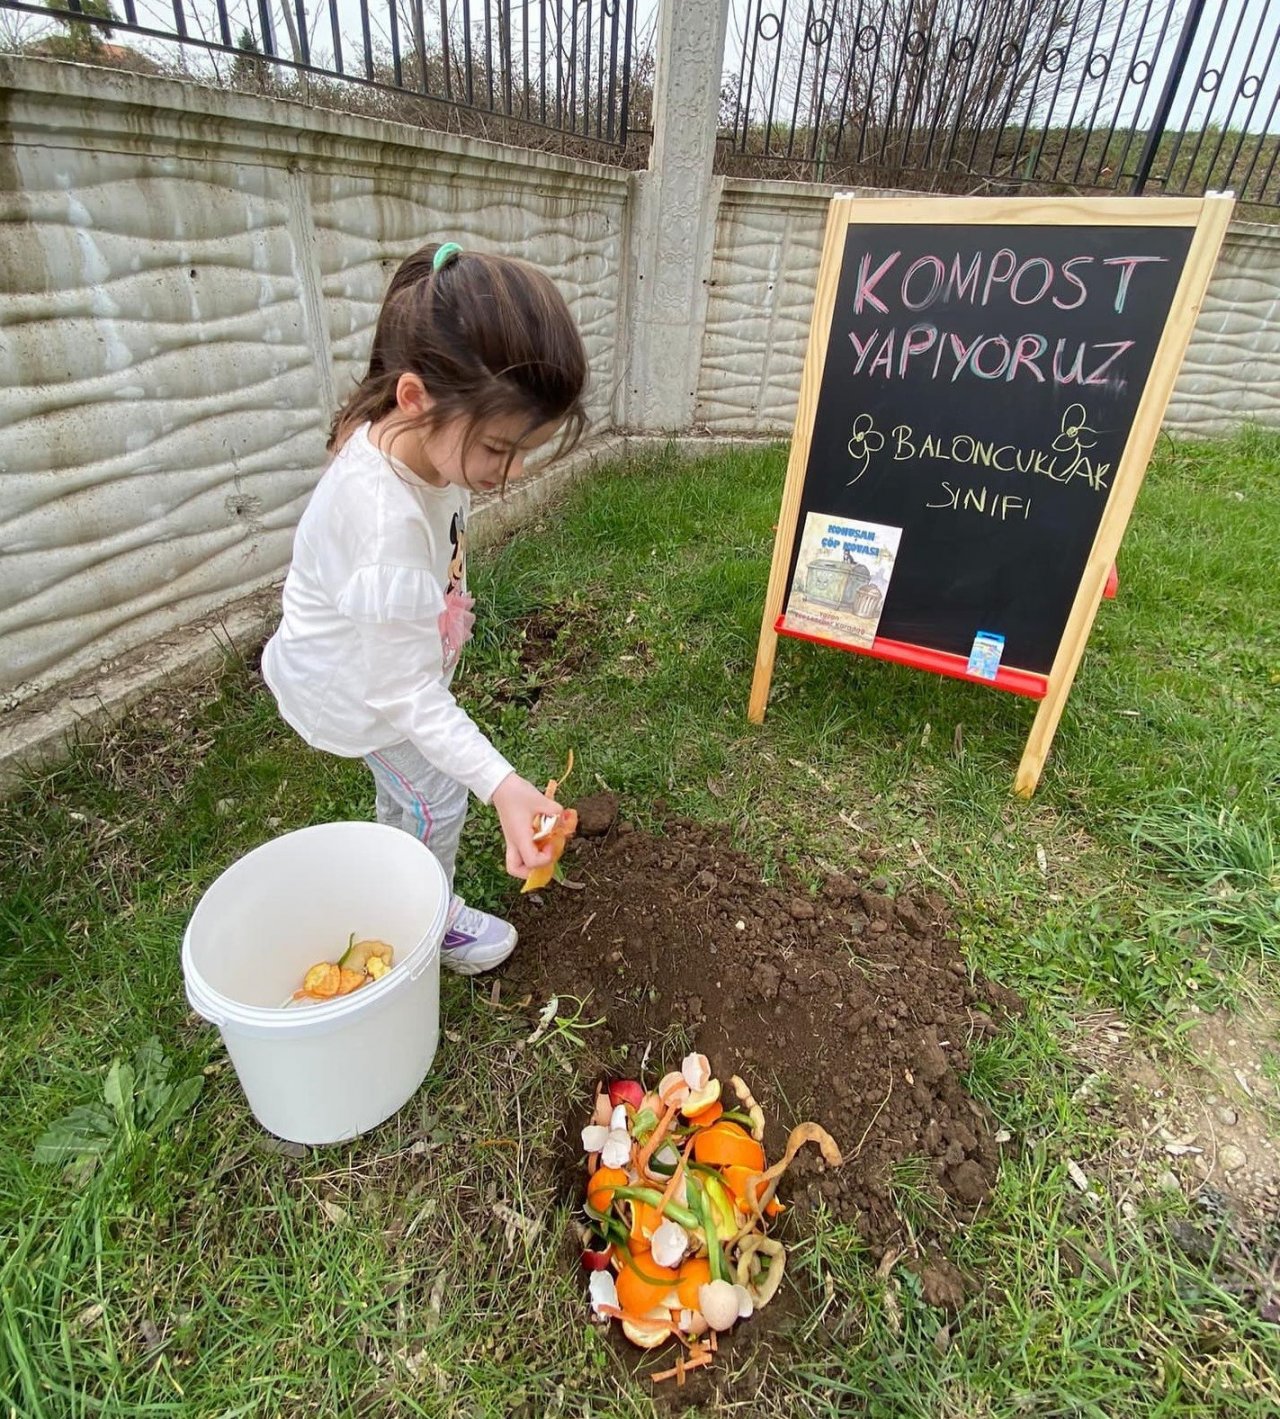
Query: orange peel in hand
(552, 831)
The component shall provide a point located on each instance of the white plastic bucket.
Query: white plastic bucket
(322, 1073)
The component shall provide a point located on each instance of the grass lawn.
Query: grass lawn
(195, 1270)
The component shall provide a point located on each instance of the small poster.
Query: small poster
(984, 658)
(841, 579)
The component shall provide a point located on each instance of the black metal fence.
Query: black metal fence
(557, 65)
(1173, 96)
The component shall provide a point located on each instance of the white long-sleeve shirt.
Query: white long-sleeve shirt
(374, 618)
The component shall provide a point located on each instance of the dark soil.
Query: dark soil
(548, 655)
(849, 1007)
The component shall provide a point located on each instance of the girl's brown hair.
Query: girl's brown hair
(488, 336)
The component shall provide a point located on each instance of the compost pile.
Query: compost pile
(679, 1201)
(848, 1007)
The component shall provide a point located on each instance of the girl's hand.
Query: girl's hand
(518, 802)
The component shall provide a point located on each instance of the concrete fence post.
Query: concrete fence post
(674, 219)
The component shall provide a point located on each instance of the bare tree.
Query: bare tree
(291, 27)
(933, 86)
(17, 29)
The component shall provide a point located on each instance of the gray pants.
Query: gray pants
(416, 796)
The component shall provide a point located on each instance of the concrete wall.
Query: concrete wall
(768, 240)
(187, 280)
(1232, 369)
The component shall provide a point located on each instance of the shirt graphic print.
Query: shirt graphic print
(457, 618)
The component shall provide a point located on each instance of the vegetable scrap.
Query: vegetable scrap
(552, 830)
(360, 964)
(679, 1198)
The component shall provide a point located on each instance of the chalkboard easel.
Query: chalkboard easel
(984, 383)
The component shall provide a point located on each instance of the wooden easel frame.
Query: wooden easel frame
(1209, 217)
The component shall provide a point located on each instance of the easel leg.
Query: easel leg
(763, 677)
(1043, 728)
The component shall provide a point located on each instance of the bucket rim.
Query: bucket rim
(222, 1010)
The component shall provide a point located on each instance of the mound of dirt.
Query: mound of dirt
(850, 1007)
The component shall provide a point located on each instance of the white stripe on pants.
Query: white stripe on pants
(416, 796)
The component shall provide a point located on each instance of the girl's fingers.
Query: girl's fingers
(530, 854)
(523, 855)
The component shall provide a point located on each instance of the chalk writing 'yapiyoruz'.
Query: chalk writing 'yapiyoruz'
(989, 282)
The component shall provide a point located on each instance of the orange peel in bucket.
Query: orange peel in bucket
(359, 965)
(322, 981)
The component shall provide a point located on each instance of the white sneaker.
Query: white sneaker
(475, 941)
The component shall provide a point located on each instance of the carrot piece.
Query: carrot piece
(640, 1323)
(694, 1362)
(656, 1137)
(673, 1181)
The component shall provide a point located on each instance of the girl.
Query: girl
(475, 363)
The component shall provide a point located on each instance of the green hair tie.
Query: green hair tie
(446, 253)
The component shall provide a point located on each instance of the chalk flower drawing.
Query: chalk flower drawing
(1076, 434)
(866, 440)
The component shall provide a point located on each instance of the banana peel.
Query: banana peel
(552, 832)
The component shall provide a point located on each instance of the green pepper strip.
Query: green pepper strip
(609, 1226)
(729, 1115)
(628, 1260)
(653, 1198)
(707, 1218)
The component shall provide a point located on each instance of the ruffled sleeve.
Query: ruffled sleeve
(377, 594)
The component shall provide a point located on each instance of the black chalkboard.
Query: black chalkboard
(978, 390)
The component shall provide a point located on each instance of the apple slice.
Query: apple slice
(626, 1091)
(700, 1099)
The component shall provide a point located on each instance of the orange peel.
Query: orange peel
(640, 1289)
(350, 980)
(724, 1144)
(323, 980)
(553, 833)
(746, 1183)
(360, 963)
(601, 1187)
(694, 1272)
(645, 1221)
